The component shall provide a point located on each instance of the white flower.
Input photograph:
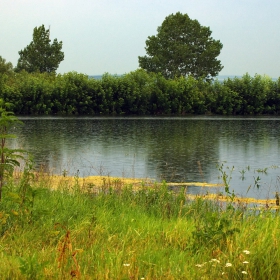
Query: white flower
(244, 272)
(215, 260)
(246, 252)
(228, 265)
(126, 264)
(245, 262)
(199, 265)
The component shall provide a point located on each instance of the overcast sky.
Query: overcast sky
(108, 35)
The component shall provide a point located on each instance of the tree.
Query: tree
(5, 67)
(40, 55)
(182, 47)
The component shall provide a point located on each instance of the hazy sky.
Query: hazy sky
(108, 35)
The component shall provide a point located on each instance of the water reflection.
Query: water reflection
(171, 149)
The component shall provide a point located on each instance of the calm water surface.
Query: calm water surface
(172, 149)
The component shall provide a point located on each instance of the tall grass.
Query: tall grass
(118, 233)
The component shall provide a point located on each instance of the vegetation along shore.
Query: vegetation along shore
(137, 93)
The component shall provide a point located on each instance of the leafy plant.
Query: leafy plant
(31, 268)
(257, 182)
(213, 229)
(262, 170)
(9, 158)
(226, 177)
(242, 172)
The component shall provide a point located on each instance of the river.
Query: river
(177, 149)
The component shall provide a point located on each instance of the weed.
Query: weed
(76, 179)
(31, 268)
(257, 182)
(67, 257)
(242, 172)
(213, 229)
(226, 177)
(262, 170)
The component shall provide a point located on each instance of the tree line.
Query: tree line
(137, 93)
(176, 77)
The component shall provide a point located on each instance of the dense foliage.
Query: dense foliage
(182, 47)
(40, 55)
(5, 67)
(138, 93)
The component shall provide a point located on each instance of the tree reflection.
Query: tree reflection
(171, 149)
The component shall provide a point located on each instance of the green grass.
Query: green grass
(127, 234)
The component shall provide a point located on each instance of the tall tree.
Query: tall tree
(182, 47)
(40, 55)
(5, 67)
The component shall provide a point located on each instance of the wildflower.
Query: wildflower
(244, 272)
(215, 260)
(245, 262)
(246, 252)
(201, 265)
(126, 264)
(228, 265)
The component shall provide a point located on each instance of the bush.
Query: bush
(139, 93)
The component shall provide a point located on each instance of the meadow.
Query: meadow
(111, 230)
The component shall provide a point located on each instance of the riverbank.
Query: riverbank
(97, 184)
(117, 233)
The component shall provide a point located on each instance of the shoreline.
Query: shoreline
(95, 184)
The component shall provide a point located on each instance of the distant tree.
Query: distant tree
(182, 47)
(40, 55)
(5, 67)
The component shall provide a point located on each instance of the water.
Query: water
(172, 149)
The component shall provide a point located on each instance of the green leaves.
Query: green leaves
(9, 158)
(137, 92)
(182, 47)
(40, 55)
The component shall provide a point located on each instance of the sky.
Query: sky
(102, 36)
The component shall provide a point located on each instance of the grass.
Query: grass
(73, 231)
